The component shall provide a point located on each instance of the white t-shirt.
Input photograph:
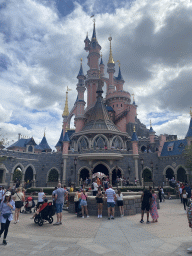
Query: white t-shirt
(185, 195)
(119, 198)
(95, 186)
(110, 195)
(180, 190)
(40, 197)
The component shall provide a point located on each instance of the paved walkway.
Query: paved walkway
(92, 236)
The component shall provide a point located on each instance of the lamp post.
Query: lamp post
(75, 164)
(142, 163)
(152, 171)
(129, 170)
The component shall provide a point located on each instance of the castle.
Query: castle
(108, 136)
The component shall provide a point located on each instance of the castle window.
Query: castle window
(117, 105)
(181, 145)
(113, 106)
(121, 105)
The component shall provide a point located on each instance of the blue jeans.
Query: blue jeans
(59, 207)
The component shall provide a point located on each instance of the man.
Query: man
(188, 190)
(59, 201)
(95, 188)
(180, 194)
(145, 205)
(111, 196)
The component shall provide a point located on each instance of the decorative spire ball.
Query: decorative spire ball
(110, 53)
(119, 64)
(134, 128)
(133, 97)
(150, 124)
(81, 60)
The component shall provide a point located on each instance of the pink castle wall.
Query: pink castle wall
(135, 147)
(65, 147)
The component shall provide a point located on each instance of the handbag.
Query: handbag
(6, 215)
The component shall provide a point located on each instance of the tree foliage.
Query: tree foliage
(188, 157)
(53, 176)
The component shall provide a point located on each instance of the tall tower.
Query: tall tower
(91, 82)
(80, 100)
(189, 133)
(110, 71)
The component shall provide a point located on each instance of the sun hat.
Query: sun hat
(8, 193)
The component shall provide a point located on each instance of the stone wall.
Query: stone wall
(132, 205)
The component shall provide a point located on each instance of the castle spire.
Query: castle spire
(94, 31)
(110, 53)
(191, 112)
(66, 109)
(81, 69)
(133, 99)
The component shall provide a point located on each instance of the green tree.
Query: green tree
(53, 176)
(17, 174)
(188, 157)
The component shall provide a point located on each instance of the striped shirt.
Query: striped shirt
(110, 195)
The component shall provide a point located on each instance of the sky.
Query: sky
(42, 41)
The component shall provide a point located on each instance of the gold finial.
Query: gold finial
(133, 96)
(119, 64)
(191, 112)
(66, 109)
(134, 128)
(110, 53)
(44, 131)
(101, 55)
(66, 128)
(81, 60)
(150, 124)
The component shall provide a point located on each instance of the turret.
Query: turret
(93, 73)
(87, 42)
(66, 143)
(119, 79)
(102, 66)
(151, 134)
(66, 111)
(80, 100)
(134, 141)
(189, 133)
(110, 70)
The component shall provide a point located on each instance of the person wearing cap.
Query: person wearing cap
(6, 207)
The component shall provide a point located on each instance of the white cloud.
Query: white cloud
(41, 53)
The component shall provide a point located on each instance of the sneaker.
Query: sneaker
(109, 218)
(15, 222)
(4, 242)
(87, 216)
(112, 218)
(100, 216)
(82, 217)
(60, 223)
(56, 223)
(147, 222)
(141, 221)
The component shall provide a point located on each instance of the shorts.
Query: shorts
(94, 193)
(99, 200)
(110, 204)
(18, 204)
(120, 203)
(83, 203)
(146, 206)
(59, 208)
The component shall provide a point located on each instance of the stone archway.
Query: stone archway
(28, 177)
(84, 173)
(101, 168)
(181, 174)
(147, 175)
(143, 149)
(53, 177)
(115, 174)
(169, 173)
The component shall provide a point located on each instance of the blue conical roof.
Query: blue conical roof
(151, 129)
(101, 62)
(134, 137)
(43, 144)
(81, 71)
(119, 77)
(66, 137)
(189, 133)
(59, 143)
(94, 32)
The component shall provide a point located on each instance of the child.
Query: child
(120, 202)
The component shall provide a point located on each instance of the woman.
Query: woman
(153, 208)
(119, 197)
(84, 204)
(99, 199)
(19, 199)
(184, 196)
(6, 207)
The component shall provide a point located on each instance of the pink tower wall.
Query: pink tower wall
(135, 147)
(152, 138)
(65, 147)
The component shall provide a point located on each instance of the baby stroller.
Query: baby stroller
(29, 204)
(46, 212)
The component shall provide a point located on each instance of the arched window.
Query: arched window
(30, 149)
(169, 173)
(1, 175)
(17, 175)
(181, 174)
(100, 142)
(147, 175)
(117, 143)
(53, 176)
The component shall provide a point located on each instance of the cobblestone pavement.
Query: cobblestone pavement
(92, 236)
